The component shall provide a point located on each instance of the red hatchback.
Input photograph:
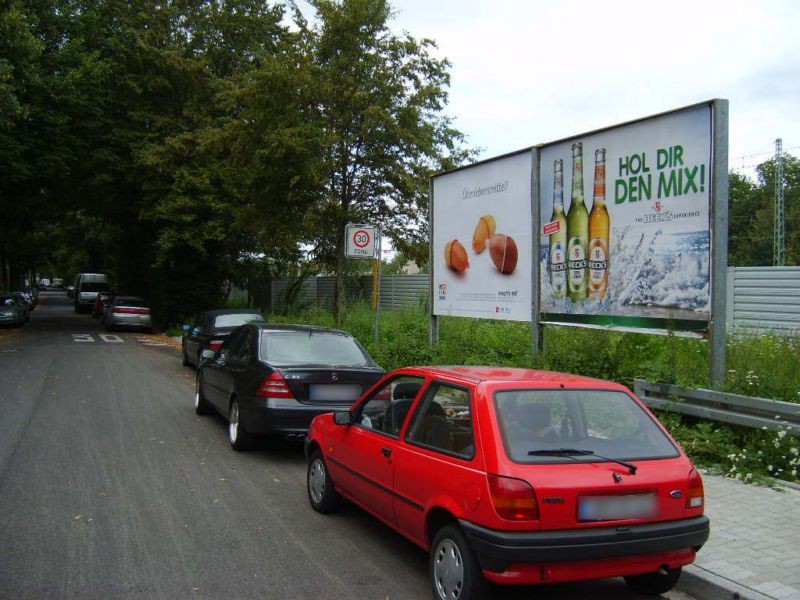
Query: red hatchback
(514, 476)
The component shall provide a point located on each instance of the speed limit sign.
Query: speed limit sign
(360, 240)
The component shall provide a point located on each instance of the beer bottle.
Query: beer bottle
(599, 229)
(577, 231)
(558, 239)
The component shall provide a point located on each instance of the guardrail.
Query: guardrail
(758, 413)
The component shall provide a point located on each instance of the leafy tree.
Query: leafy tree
(379, 107)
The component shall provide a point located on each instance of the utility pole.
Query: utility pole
(778, 243)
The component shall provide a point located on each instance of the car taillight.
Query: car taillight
(132, 311)
(513, 499)
(696, 496)
(215, 345)
(274, 386)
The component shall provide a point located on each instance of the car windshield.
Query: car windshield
(577, 425)
(94, 286)
(311, 348)
(223, 321)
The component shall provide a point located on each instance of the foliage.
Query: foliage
(751, 215)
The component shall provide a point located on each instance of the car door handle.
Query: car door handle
(387, 452)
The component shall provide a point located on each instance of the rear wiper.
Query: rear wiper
(569, 451)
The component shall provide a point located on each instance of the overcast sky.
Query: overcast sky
(525, 72)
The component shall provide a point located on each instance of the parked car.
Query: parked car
(130, 312)
(25, 303)
(101, 303)
(87, 285)
(11, 311)
(274, 379)
(514, 476)
(214, 326)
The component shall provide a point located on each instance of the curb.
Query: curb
(705, 585)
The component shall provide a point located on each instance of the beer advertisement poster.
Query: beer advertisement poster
(482, 239)
(625, 224)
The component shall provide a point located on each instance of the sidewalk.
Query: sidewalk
(754, 549)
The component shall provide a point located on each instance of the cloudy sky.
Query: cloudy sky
(525, 72)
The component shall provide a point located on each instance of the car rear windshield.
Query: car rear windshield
(222, 321)
(94, 286)
(537, 425)
(285, 348)
(134, 302)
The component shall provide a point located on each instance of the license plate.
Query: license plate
(343, 392)
(612, 508)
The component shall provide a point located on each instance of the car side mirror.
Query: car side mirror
(206, 354)
(186, 327)
(343, 417)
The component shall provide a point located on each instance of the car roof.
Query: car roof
(515, 375)
(231, 311)
(299, 328)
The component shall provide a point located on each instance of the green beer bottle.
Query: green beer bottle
(558, 239)
(577, 231)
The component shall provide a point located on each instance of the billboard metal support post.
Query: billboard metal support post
(376, 284)
(719, 244)
(433, 322)
(536, 333)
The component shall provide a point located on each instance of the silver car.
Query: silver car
(128, 312)
(11, 312)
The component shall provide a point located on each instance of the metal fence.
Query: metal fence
(764, 299)
(758, 413)
(396, 291)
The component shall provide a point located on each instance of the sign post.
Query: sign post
(364, 241)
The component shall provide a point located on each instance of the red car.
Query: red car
(514, 476)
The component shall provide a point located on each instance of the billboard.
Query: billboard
(625, 224)
(482, 236)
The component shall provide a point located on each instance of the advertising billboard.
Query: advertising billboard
(625, 236)
(482, 239)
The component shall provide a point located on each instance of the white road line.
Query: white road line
(111, 338)
(82, 337)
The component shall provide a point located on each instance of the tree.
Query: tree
(380, 100)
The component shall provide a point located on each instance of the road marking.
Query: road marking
(82, 337)
(111, 338)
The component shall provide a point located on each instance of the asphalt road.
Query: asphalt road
(111, 486)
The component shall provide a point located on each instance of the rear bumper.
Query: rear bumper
(283, 416)
(497, 550)
(136, 322)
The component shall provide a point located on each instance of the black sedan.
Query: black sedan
(214, 327)
(274, 379)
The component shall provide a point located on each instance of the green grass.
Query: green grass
(766, 366)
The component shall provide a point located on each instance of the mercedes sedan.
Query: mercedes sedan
(274, 379)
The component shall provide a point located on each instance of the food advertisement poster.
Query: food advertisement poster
(482, 240)
(625, 224)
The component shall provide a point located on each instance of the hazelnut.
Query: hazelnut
(503, 251)
(483, 231)
(455, 256)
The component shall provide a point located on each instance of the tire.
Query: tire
(238, 436)
(201, 405)
(453, 569)
(654, 584)
(321, 494)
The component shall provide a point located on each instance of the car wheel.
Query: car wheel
(454, 570)
(321, 493)
(201, 405)
(654, 584)
(237, 435)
